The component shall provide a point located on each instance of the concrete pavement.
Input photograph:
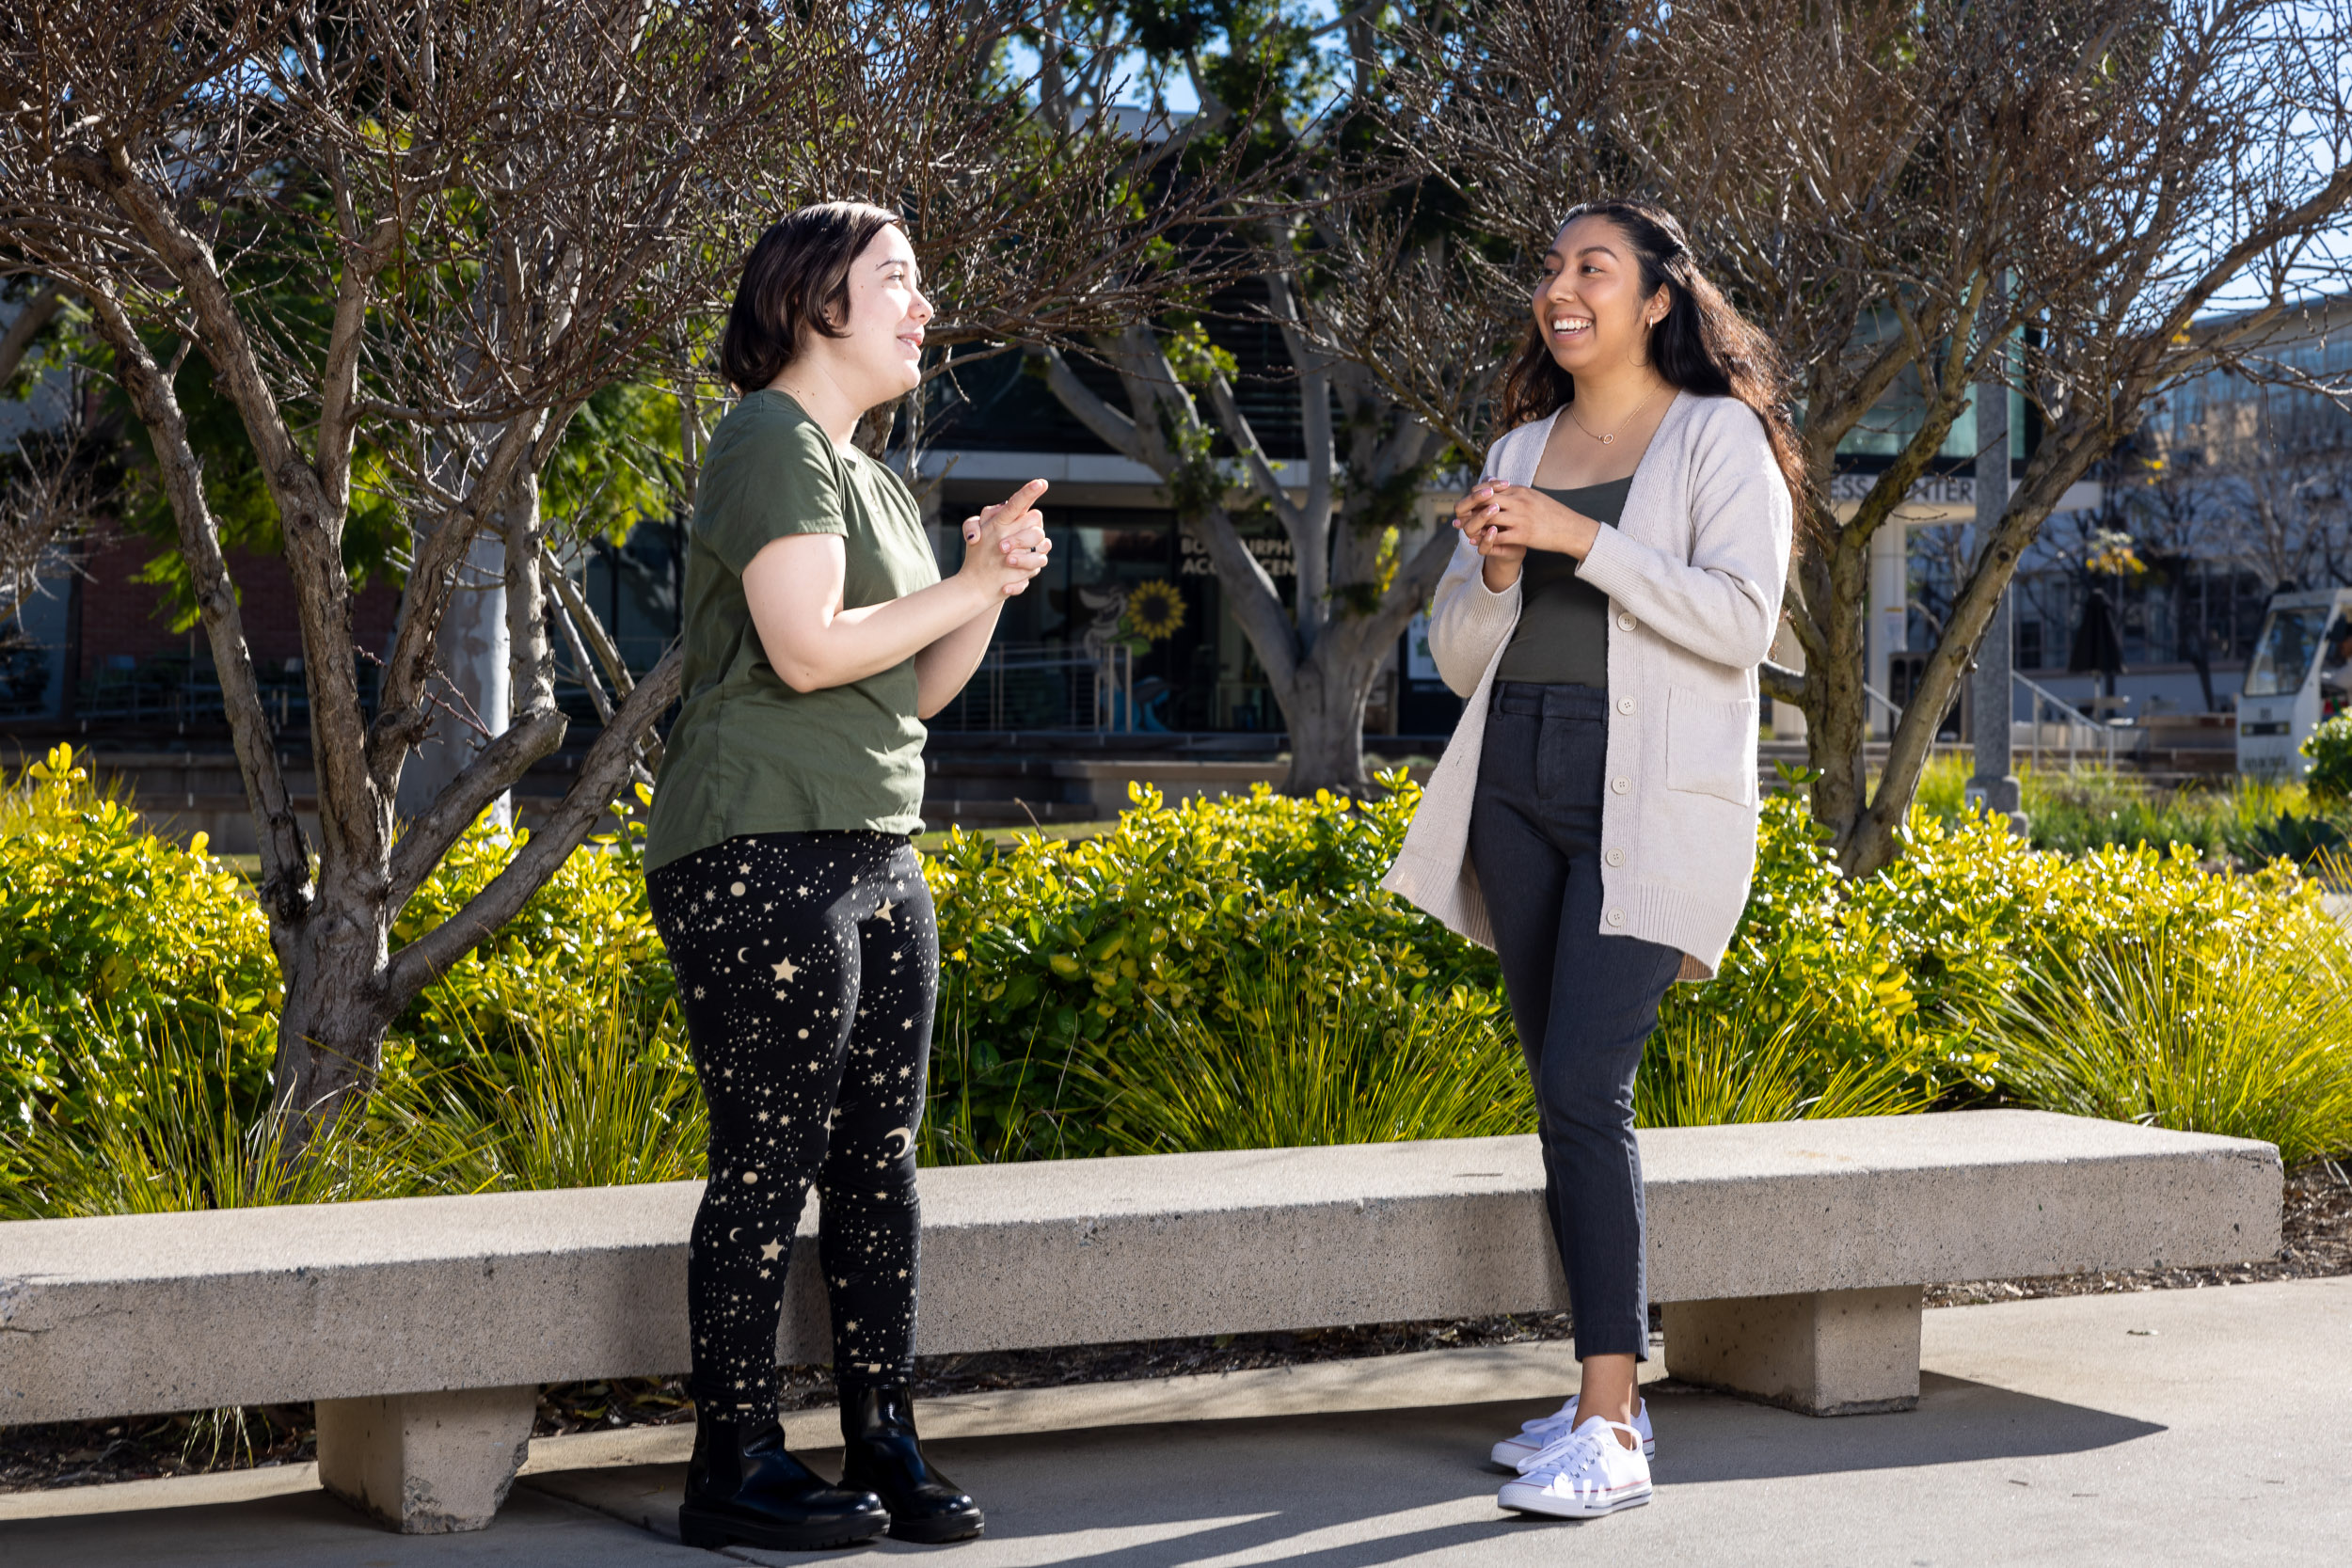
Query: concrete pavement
(2170, 1427)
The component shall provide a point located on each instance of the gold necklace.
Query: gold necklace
(1610, 438)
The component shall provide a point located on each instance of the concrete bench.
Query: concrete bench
(1790, 1258)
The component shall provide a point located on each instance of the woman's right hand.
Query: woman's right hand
(1474, 515)
(1005, 544)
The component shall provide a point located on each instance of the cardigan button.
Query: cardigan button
(1616, 917)
(1620, 785)
(1625, 704)
(1624, 623)
(1614, 857)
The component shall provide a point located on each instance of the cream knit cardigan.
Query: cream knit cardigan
(1693, 572)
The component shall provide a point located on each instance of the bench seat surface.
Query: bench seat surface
(143, 1313)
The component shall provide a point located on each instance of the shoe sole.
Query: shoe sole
(1566, 1508)
(1500, 1461)
(938, 1532)
(710, 1535)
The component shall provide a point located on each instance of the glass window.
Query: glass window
(2283, 654)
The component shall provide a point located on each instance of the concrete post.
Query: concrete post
(1886, 631)
(472, 655)
(1993, 786)
(426, 1464)
(1824, 1353)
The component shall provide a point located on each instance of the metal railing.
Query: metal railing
(173, 691)
(1894, 710)
(1045, 686)
(2073, 719)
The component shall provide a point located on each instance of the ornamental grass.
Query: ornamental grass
(2171, 1028)
(1213, 974)
(1297, 1061)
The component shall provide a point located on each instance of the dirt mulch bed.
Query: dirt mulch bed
(2317, 1224)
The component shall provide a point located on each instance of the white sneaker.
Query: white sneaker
(1583, 1475)
(1545, 1430)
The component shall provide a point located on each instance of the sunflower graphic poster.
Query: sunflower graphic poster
(1155, 610)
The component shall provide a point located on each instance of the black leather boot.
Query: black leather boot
(743, 1489)
(880, 1451)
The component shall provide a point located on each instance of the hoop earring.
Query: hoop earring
(1648, 327)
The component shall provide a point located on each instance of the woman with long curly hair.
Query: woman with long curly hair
(1617, 581)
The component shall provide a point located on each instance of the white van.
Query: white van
(2298, 676)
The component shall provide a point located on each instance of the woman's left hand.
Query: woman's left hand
(1018, 533)
(1500, 513)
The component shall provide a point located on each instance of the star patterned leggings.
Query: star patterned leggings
(807, 965)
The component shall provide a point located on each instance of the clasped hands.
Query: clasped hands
(1005, 544)
(1505, 521)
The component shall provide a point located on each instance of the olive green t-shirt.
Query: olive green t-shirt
(1562, 635)
(748, 754)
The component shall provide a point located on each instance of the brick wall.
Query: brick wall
(122, 615)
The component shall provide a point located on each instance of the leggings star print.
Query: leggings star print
(807, 966)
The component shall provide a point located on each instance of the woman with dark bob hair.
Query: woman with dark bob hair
(1617, 584)
(819, 637)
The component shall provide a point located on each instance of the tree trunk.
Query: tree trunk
(1837, 717)
(1324, 706)
(332, 1024)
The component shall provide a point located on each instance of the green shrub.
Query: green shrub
(169, 1127)
(2093, 807)
(1295, 1063)
(2329, 748)
(1805, 950)
(583, 945)
(113, 939)
(578, 1101)
(1218, 973)
(1705, 1068)
(2248, 1037)
(2304, 840)
(987, 1106)
(141, 1007)
(1056, 951)
(584, 1098)
(1909, 965)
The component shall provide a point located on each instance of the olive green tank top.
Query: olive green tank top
(1562, 635)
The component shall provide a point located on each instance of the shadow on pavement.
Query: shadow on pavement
(1704, 1437)
(1364, 1490)
(310, 1530)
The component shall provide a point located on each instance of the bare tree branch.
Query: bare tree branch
(602, 774)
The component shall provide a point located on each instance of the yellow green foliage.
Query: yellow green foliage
(2250, 1037)
(1295, 1065)
(109, 935)
(1054, 952)
(2249, 819)
(582, 944)
(2329, 748)
(1204, 973)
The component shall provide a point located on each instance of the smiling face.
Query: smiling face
(1590, 307)
(879, 359)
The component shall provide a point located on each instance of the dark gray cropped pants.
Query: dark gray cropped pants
(1584, 1004)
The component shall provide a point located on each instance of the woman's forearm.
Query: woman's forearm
(942, 669)
(794, 590)
(856, 644)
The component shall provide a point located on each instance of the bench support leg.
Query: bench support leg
(1825, 1352)
(426, 1464)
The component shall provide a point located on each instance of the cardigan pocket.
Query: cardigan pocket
(1710, 745)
